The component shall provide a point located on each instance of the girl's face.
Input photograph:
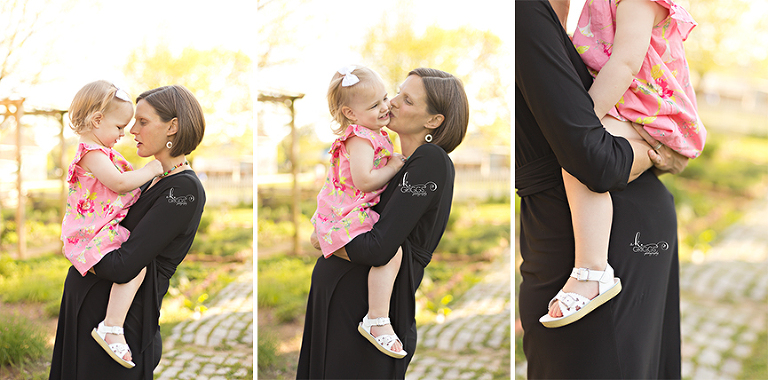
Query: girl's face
(409, 108)
(150, 132)
(369, 108)
(111, 126)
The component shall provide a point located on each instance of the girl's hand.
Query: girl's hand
(397, 161)
(664, 159)
(155, 167)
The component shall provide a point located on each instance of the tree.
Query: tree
(21, 23)
(727, 37)
(219, 79)
(473, 55)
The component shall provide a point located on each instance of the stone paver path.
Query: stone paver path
(724, 301)
(219, 345)
(474, 340)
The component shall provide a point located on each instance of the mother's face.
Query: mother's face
(409, 108)
(150, 132)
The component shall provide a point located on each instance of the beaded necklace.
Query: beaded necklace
(173, 168)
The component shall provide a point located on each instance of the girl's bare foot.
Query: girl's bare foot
(585, 288)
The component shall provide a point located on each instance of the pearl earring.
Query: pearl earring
(169, 144)
(428, 138)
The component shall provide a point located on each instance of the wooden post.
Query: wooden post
(288, 100)
(296, 206)
(63, 166)
(20, 217)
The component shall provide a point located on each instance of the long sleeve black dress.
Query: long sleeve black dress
(414, 210)
(637, 334)
(163, 224)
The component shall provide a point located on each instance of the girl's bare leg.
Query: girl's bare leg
(381, 281)
(592, 217)
(120, 300)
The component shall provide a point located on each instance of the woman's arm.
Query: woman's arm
(364, 175)
(635, 20)
(163, 222)
(99, 164)
(550, 86)
(405, 208)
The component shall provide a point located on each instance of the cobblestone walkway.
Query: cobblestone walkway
(724, 301)
(474, 340)
(218, 346)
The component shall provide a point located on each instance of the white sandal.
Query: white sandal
(574, 306)
(115, 350)
(383, 342)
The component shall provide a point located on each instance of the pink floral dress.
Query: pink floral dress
(661, 96)
(343, 211)
(91, 226)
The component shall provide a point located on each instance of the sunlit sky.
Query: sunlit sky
(93, 39)
(331, 30)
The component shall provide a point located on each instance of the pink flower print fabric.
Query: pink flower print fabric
(661, 96)
(91, 226)
(344, 211)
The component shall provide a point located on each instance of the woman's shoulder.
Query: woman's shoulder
(431, 151)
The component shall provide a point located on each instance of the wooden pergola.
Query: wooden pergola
(288, 100)
(14, 108)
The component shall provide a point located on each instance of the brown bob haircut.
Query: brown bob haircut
(176, 101)
(445, 96)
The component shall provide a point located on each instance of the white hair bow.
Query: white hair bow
(349, 78)
(121, 94)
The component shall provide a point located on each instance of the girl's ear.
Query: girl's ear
(173, 128)
(96, 119)
(349, 114)
(435, 121)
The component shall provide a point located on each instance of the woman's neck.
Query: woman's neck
(172, 164)
(409, 144)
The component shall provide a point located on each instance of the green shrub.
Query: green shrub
(48, 274)
(284, 285)
(226, 242)
(20, 341)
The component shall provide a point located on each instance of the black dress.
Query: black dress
(414, 210)
(637, 334)
(163, 223)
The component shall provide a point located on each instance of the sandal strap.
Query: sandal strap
(586, 274)
(102, 329)
(381, 321)
(387, 341)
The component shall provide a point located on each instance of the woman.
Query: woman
(431, 107)
(163, 222)
(636, 334)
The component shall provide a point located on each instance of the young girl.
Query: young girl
(634, 48)
(362, 162)
(102, 185)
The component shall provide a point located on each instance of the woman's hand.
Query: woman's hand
(664, 159)
(313, 239)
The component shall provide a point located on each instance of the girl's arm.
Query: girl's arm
(364, 176)
(547, 82)
(404, 209)
(635, 20)
(97, 163)
(162, 223)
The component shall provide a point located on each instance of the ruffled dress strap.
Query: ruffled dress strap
(685, 22)
(82, 148)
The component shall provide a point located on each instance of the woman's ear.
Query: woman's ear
(349, 114)
(173, 128)
(435, 121)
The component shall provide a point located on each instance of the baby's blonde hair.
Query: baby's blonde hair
(93, 98)
(340, 96)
